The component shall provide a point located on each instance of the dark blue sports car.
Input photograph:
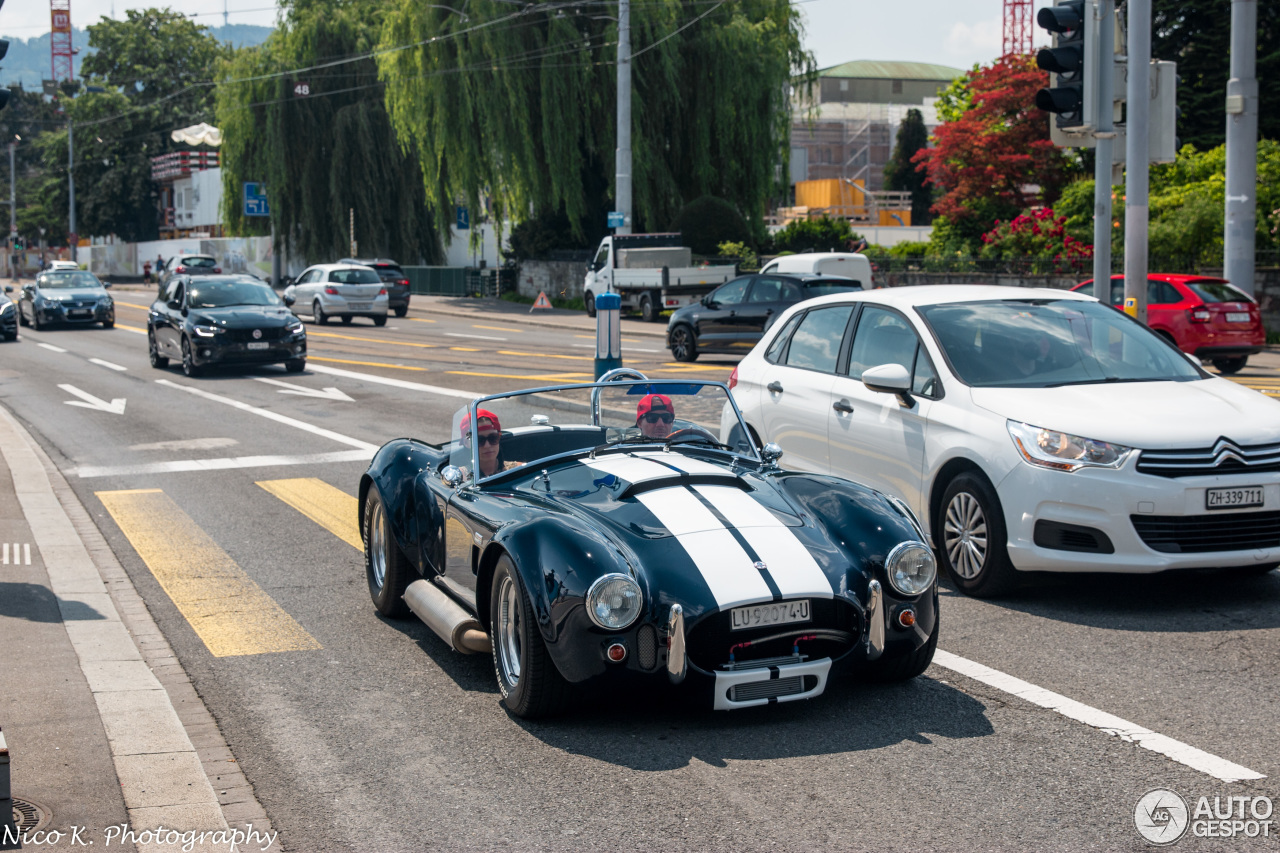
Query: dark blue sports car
(591, 532)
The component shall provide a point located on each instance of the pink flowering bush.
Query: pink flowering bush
(1036, 235)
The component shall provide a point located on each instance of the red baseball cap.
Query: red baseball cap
(481, 414)
(654, 403)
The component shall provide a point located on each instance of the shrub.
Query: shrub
(822, 234)
(747, 258)
(709, 221)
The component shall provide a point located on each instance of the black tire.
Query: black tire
(35, 320)
(648, 312)
(380, 321)
(9, 336)
(346, 319)
(295, 365)
(22, 317)
(110, 322)
(904, 667)
(189, 366)
(1228, 366)
(317, 314)
(530, 684)
(971, 538)
(402, 310)
(158, 361)
(385, 567)
(683, 346)
(589, 300)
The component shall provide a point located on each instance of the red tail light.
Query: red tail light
(217, 269)
(403, 281)
(733, 379)
(382, 292)
(181, 269)
(1199, 315)
(332, 291)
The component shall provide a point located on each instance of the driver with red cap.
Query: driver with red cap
(488, 438)
(654, 415)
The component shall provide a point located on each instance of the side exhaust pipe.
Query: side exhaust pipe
(446, 617)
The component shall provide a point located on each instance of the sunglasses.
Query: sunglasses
(485, 438)
(655, 417)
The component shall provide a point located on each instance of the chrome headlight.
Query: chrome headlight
(911, 568)
(206, 331)
(1062, 451)
(614, 601)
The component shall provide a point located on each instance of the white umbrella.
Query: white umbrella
(200, 134)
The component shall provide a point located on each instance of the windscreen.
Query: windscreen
(67, 280)
(1218, 291)
(199, 263)
(1044, 344)
(222, 294)
(827, 286)
(524, 428)
(360, 276)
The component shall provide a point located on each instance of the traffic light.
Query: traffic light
(1072, 61)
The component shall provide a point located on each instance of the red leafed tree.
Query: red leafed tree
(995, 158)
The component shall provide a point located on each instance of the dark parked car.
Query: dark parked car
(393, 277)
(66, 296)
(8, 316)
(611, 537)
(733, 316)
(224, 319)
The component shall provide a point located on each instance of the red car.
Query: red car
(1206, 317)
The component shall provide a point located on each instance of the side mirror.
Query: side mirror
(289, 300)
(174, 304)
(106, 284)
(889, 379)
(8, 288)
(452, 476)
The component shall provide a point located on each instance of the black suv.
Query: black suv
(397, 283)
(733, 317)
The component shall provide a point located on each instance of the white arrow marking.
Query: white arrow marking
(115, 407)
(107, 364)
(289, 388)
(1243, 199)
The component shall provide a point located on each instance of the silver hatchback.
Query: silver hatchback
(339, 290)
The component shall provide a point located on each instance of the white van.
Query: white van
(847, 264)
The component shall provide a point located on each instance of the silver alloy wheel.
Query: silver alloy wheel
(377, 546)
(965, 535)
(681, 343)
(508, 631)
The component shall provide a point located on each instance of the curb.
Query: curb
(166, 747)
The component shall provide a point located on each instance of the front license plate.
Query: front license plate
(764, 615)
(1238, 317)
(1233, 498)
(257, 345)
(79, 312)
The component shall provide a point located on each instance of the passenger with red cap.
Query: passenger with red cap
(488, 438)
(654, 415)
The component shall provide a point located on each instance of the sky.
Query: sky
(945, 32)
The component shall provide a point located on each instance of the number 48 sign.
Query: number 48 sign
(302, 89)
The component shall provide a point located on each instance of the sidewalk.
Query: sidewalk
(106, 735)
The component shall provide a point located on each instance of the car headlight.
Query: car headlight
(614, 601)
(295, 328)
(911, 568)
(1062, 451)
(206, 331)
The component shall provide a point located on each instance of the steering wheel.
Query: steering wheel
(689, 433)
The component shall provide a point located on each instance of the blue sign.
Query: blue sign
(464, 218)
(255, 200)
(616, 219)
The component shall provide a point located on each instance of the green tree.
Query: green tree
(518, 104)
(707, 222)
(325, 153)
(822, 234)
(901, 173)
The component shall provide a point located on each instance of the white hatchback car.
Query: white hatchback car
(1029, 429)
(339, 290)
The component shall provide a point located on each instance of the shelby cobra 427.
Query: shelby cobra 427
(611, 534)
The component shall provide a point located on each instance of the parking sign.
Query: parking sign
(255, 200)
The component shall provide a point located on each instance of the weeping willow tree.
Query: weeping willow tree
(517, 104)
(326, 149)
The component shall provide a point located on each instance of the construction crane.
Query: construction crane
(60, 43)
(1018, 18)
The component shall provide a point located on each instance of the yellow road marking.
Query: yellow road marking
(546, 355)
(228, 611)
(131, 328)
(133, 305)
(549, 377)
(370, 340)
(463, 349)
(496, 328)
(421, 320)
(365, 363)
(326, 505)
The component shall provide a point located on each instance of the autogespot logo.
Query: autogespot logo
(1161, 816)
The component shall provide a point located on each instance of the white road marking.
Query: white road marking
(51, 347)
(278, 418)
(106, 364)
(187, 444)
(394, 383)
(1196, 759)
(220, 464)
(19, 549)
(481, 337)
(302, 391)
(88, 401)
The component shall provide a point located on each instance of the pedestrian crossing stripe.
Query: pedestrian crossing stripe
(326, 505)
(21, 554)
(230, 613)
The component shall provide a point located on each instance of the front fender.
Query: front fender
(393, 471)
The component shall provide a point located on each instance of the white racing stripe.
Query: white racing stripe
(789, 562)
(633, 469)
(1196, 759)
(725, 566)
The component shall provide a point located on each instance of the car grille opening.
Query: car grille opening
(772, 688)
(647, 647)
(241, 336)
(1224, 457)
(1198, 534)
(708, 641)
(1072, 537)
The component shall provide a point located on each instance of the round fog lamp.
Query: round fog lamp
(911, 568)
(614, 601)
(617, 653)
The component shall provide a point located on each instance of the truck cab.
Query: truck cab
(650, 273)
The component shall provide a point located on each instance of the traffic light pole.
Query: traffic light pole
(1242, 147)
(623, 165)
(1137, 160)
(13, 212)
(1105, 135)
(71, 187)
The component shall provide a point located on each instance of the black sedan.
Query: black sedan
(8, 316)
(612, 537)
(733, 316)
(66, 296)
(224, 320)
(393, 278)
